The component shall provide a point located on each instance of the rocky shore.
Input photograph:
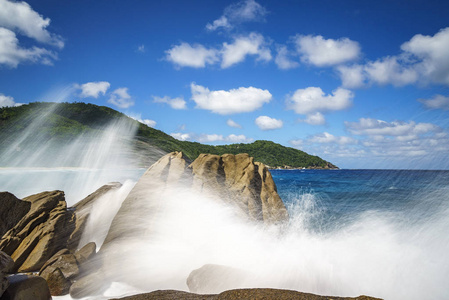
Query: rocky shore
(42, 253)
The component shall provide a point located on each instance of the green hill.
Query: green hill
(66, 121)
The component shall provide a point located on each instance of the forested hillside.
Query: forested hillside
(66, 121)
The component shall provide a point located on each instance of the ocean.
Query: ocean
(383, 233)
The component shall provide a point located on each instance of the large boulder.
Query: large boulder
(213, 279)
(82, 211)
(239, 180)
(40, 233)
(239, 294)
(6, 264)
(26, 287)
(12, 210)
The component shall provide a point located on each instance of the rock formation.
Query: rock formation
(240, 294)
(234, 179)
(40, 233)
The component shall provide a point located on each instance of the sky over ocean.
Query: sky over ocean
(363, 84)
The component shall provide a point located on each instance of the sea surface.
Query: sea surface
(383, 233)
(335, 198)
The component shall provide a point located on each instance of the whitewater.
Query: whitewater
(382, 233)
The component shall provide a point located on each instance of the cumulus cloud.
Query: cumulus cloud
(196, 56)
(283, 60)
(94, 89)
(253, 44)
(232, 138)
(175, 103)
(432, 55)
(231, 123)
(11, 54)
(208, 138)
(141, 48)
(181, 136)
(121, 98)
(400, 129)
(267, 123)
(148, 122)
(326, 137)
(423, 59)
(322, 52)
(19, 16)
(243, 99)
(436, 102)
(315, 119)
(313, 99)
(7, 101)
(242, 11)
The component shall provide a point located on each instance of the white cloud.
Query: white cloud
(19, 16)
(94, 89)
(322, 52)
(437, 102)
(196, 56)
(242, 11)
(267, 123)
(148, 122)
(7, 101)
(253, 44)
(326, 137)
(283, 60)
(141, 49)
(208, 138)
(175, 103)
(399, 129)
(315, 119)
(221, 22)
(313, 99)
(390, 70)
(11, 54)
(424, 60)
(433, 55)
(121, 98)
(181, 136)
(229, 102)
(232, 138)
(351, 76)
(231, 123)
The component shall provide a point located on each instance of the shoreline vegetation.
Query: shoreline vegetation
(64, 122)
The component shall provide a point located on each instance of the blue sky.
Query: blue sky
(363, 84)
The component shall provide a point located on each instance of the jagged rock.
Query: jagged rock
(85, 253)
(40, 233)
(239, 294)
(66, 263)
(24, 287)
(233, 178)
(6, 264)
(54, 258)
(238, 179)
(58, 284)
(213, 279)
(82, 211)
(12, 210)
(166, 171)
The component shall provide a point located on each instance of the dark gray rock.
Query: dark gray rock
(12, 210)
(26, 287)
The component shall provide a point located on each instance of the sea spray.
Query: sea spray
(77, 166)
(380, 254)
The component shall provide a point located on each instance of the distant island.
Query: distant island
(66, 121)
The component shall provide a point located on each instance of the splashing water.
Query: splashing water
(383, 242)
